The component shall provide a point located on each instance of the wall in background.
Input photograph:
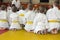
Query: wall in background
(34, 1)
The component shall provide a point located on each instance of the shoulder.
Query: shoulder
(20, 11)
(49, 9)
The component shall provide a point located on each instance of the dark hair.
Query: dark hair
(42, 8)
(56, 2)
(31, 6)
(14, 9)
(23, 7)
(12, 5)
(3, 7)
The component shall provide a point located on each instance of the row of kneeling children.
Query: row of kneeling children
(31, 20)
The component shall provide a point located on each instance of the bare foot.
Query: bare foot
(54, 31)
(39, 32)
(31, 30)
(2, 28)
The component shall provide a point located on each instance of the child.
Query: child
(22, 19)
(40, 22)
(9, 11)
(3, 18)
(29, 17)
(52, 15)
(14, 22)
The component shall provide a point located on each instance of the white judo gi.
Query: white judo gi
(17, 3)
(3, 19)
(22, 14)
(30, 15)
(40, 23)
(53, 19)
(14, 22)
(59, 19)
(9, 11)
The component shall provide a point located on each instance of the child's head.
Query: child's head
(3, 7)
(23, 8)
(14, 9)
(30, 7)
(42, 9)
(56, 3)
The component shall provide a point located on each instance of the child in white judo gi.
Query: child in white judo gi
(3, 18)
(14, 20)
(9, 11)
(21, 14)
(53, 19)
(40, 22)
(29, 19)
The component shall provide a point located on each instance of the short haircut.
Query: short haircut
(3, 7)
(56, 2)
(14, 9)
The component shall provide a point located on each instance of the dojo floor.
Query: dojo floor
(23, 35)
